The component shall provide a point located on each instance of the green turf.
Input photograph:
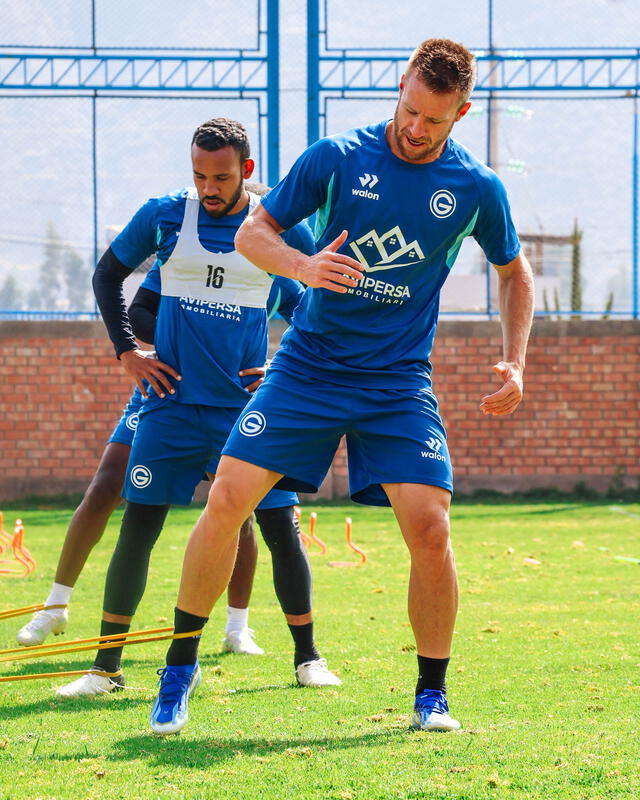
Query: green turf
(544, 677)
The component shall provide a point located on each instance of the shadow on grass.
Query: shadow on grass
(202, 753)
(270, 687)
(118, 701)
(459, 512)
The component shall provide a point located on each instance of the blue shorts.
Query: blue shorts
(126, 427)
(293, 425)
(174, 445)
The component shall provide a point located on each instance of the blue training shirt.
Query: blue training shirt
(207, 342)
(406, 223)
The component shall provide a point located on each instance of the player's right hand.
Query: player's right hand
(143, 366)
(329, 269)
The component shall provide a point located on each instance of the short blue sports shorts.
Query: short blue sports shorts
(126, 427)
(174, 445)
(293, 425)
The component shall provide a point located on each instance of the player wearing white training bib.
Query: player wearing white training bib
(394, 201)
(211, 327)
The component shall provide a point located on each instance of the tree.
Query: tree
(76, 279)
(576, 268)
(10, 294)
(49, 280)
(64, 279)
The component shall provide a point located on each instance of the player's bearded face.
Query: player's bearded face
(219, 179)
(221, 207)
(423, 120)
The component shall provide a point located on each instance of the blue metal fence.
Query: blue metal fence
(85, 69)
(96, 117)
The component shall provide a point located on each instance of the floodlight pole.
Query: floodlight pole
(313, 71)
(492, 138)
(94, 153)
(635, 255)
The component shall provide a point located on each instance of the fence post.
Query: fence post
(273, 91)
(313, 71)
(635, 165)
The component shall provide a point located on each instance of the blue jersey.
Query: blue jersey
(212, 320)
(406, 223)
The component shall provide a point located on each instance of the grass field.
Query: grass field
(544, 676)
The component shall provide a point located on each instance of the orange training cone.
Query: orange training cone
(313, 518)
(361, 553)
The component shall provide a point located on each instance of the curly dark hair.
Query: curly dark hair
(222, 132)
(444, 66)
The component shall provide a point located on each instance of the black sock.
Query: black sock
(432, 673)
(185, 651)
(305, 645)
(109, 660)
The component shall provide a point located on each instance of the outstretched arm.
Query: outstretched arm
(516, 314)
(258, 240)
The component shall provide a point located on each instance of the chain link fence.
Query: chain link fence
(77, 164)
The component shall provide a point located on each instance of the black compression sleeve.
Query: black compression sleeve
(108, 278)
(143, 312)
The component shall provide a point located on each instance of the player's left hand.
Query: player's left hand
(507, 398)
(260, 371)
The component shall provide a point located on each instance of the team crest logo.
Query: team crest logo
(132, 422)
(252, 424)
(140, 476)
(442, 203)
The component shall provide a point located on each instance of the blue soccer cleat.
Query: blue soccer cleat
(431, 712)
(170, 712)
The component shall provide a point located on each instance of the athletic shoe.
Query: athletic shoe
(431, 712)
(42, 624)
(316, 673)
(241, 642)
(93, 683)
(170, 711)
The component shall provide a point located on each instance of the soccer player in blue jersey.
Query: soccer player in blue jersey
(103, 495)
(212, 325)
(393, 203)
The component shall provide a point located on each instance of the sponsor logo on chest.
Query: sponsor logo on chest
(367, 182)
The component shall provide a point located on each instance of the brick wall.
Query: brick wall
(61, 392)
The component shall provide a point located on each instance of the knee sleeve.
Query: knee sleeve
(127, 573)
(291, 568)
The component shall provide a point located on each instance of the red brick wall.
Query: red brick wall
(61, 392)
